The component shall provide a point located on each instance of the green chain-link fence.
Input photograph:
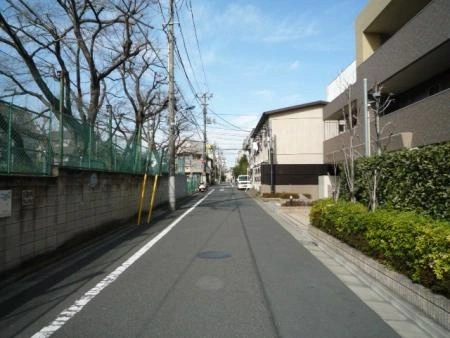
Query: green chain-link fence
(31, 143)
(192, 183)
(24, 142)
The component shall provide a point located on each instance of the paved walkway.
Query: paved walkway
(406, 319)
(222, 268)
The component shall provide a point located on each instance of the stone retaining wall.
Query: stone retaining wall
(46, 212)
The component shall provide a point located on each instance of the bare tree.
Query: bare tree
(84, 40)
(379, 104)
(350, 113)
(142, 86)
(184, 128)
(335, 180)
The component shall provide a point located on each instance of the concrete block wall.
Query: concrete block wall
(49, 211)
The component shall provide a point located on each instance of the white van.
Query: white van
(243, 182)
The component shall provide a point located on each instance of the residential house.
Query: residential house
(402, 76)
(286, 150)
(192, 153)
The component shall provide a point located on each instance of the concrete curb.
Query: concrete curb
(404, 317)
(434, 306)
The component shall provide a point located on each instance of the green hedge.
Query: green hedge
(412, 244)
(410, 180)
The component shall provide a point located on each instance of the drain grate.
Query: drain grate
(214, 254)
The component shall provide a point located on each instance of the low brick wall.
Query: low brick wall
(46, 212)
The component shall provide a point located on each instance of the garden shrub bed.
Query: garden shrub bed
(297, 203)
(415, 245)
(282, 195)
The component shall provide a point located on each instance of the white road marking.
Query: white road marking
(72, 310)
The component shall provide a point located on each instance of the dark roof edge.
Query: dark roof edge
(296, 107)
(285, 110)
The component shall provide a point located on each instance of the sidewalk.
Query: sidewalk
(378, 287)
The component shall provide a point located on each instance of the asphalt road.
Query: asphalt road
(224, 268)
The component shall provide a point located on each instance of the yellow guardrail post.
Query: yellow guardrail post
(150, 208)
(141, 201)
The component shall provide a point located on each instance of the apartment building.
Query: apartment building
(286, 150)
(402, 76)
(192, 154)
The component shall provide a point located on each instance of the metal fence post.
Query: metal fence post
(8, 159)
(91, 131)
(110, 143)
(61, 108)
(50, 145)
(137, 149)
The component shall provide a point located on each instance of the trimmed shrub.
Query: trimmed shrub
(432, 268)
(297, 203)
(342, 220)
(392, 236)
(415, 180)
(412, 244)
(317, 210)
(282, 195)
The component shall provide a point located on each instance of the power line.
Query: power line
(185, 48)
(231, 124)
(198, 45)
(191, 86)
(181, 64)
(180, 60)
(176, 48)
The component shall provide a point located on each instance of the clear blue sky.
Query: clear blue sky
(260, 55)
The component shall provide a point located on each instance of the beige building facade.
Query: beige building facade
(286, 150)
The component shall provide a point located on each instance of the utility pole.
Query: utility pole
(204, 98)
(272, 172)
(171, 119)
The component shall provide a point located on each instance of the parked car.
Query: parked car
(243, 182)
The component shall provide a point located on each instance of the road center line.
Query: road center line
(80, 303)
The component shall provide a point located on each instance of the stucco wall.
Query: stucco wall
(298, 137)
(48, 211)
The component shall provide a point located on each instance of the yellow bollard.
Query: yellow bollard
(141, 201)
(150, 208)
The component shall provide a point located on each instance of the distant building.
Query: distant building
(343, 80)
(403, 50)
(192, 154)
(286, 150)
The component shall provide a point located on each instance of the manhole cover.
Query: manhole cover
(213, 254)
